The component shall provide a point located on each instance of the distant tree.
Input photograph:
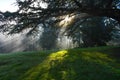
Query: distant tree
(95, 33)
(91, 32)
(48, 39)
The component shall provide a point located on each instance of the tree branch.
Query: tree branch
(78, 4)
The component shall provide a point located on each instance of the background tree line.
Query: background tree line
(86, 23)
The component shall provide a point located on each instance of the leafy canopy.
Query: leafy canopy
(70, 14)
(34, 12)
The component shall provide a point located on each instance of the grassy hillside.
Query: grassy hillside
(101, 63)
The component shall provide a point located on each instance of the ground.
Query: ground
(98, 63)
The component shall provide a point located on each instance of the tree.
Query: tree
(48, 39)
(91, 32)
(31, 13)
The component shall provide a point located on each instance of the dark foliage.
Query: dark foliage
(31, 13)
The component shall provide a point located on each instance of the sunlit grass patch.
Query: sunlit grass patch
(41, 71)
(73, 64)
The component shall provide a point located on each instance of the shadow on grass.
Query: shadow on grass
(13, 66)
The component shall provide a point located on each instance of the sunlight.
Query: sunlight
(45, 66)
(41, 4)
(58, 55)
(97, 57)
(8, 5)
(67, 20)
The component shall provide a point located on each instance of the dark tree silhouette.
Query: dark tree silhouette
(31, 13)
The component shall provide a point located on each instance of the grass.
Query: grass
(99, 63)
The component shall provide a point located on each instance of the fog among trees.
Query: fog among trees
(59, 24)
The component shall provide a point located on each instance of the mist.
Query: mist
(45, 40)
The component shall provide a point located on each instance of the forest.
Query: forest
(65, 39)
(81, 23)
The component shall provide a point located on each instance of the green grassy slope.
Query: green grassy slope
(102, 63)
